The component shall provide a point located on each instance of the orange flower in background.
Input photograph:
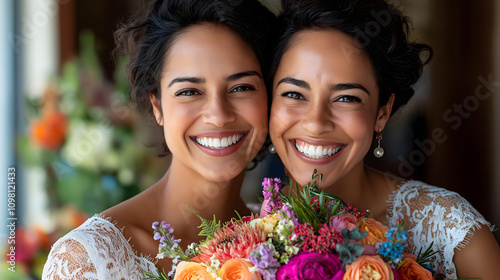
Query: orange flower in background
(376, 231)
(49, 132)
(235, 269)
(410, 270)
(368, 267)
(192, 271)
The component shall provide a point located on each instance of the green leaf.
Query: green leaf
(151, 276)
(208, 228)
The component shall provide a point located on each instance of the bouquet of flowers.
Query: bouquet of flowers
(307, 235)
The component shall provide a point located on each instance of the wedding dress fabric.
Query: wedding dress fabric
(95, 250)
(436, 215)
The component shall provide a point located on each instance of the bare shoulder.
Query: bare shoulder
(384, 181)
(130, 212)
(480, 257)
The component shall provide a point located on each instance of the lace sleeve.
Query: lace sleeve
(436, 215)
(68, 259)
(95, 250)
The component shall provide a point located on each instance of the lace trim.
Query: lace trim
(434, 215)
(114, 224)
(96, 250)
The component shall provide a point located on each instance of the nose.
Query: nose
(218, 111)
(317, 119)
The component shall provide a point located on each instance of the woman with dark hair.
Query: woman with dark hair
(341, 69)
(198, 68)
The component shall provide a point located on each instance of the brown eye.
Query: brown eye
(187, 92)
(242, 88)
(293, 95)
(348, 99)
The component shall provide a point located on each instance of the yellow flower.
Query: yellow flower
(192, 271)
(267, 223)
(235, 269)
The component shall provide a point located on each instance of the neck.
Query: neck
(183, 188)
(353, 187)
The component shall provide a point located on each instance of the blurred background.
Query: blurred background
(78, 147)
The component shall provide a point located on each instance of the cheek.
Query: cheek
(282, 118)
(177, 120)
(360, 129)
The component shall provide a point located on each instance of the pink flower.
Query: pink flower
(343, 221)
(232, 242)
(311, 266)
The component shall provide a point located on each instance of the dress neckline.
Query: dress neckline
(107, 220)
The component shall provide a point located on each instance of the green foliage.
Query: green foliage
(151, 276)
(315, 214)
(425, 258)
(208, 228)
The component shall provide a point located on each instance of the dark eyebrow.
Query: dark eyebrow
(240, 75)
(346, 86)
(194, 80)
(295, 82)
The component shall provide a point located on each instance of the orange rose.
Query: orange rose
(368, 267)
(376, 231)
(410, 269)
(192, 271)
(235, 269)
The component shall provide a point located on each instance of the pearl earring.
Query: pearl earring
(271, 149)
(378, 151)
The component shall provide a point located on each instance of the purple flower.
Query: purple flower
(157, 236)
(155, 225)
(311, 266)
(164, 225)
(263, 259)
(270, 191)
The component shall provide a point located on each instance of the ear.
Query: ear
(155, 102)
(384, 113)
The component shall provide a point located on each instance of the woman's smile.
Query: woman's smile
(219, 144)
(319, 153)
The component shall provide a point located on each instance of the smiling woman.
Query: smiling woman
(198, 68)
(341, 69)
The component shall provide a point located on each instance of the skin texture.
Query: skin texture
(211, 86)
(317, 100)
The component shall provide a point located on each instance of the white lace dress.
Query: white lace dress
(95, 250)
(436, 215)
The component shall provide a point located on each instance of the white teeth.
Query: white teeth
(219, 143)
(317, 152)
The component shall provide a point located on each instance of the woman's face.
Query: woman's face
(213, 102)
(325, 106)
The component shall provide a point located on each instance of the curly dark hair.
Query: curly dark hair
(146, 38)
(376, 26)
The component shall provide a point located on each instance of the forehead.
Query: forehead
(207, 46)
(326, 54)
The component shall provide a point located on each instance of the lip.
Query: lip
(316, 142)
(220, 134)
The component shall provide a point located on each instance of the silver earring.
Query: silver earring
(378, 151)
(271, 149)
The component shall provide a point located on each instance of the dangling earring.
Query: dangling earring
(378, 151)
(271, 149)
